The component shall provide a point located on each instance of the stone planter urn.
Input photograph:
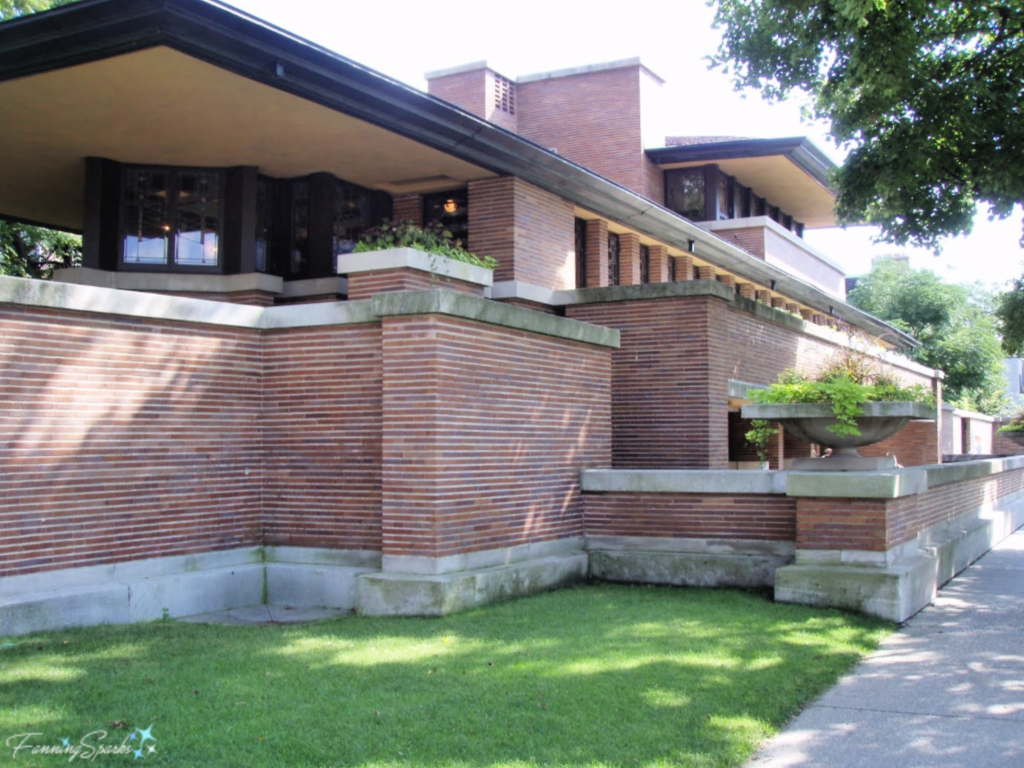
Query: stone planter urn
(811, 422)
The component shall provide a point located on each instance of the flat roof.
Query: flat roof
(791, 172)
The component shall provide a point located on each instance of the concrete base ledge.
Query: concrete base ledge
(144, 590)
(686, 568)
(898, 590)
(410, 594)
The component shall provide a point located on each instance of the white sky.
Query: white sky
(405, 39)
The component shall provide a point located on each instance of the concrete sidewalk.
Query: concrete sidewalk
(946, 690)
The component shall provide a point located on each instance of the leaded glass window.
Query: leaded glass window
(613, 259)
(264, 221)
(147, 221)
(353, 212)
(299, 255)
(684, 192)
(172, 217)
(645, 264)
(197, 219)
(725, 200)
(581, 253)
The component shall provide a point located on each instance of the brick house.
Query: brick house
(224, 407)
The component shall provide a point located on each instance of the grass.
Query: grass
(596, 675)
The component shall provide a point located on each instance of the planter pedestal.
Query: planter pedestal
(842, 462)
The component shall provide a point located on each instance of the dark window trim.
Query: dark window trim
(645, 264)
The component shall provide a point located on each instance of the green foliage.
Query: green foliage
(1010, 311)
(846, 383)
(954, 324)
(433, 238)
(606, 675)
(926, 93)
(35, 251)
(759, 436)
(1016, 424)
(11, 9)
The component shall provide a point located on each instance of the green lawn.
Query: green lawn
(597, 675)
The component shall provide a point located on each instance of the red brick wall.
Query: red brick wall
(485, 432)
(672, 515)
(322, 437)
(122, 439)
(465, 89)
(663, 410)
(670, 375)
(529, 231)
(750, 239)
(407, 208)
(1001, 445)
(592, 119)
(363, 285)
(915, 445)
(879, 524)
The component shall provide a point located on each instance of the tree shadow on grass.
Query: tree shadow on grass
(600, 675)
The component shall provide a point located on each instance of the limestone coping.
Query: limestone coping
(411, 258)
(162, 281)
(454, 304)
(858, 485)
(723, 481)
(720, 290)
(888, 484)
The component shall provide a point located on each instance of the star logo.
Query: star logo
(133, 736)
(151, 749)
(145, 734)
(138, 754)
(65, 742)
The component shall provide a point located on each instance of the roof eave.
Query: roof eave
(97, 29)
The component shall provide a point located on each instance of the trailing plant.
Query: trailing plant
(433, 238)
(846, 382)
(1016, 424)
(759, 436)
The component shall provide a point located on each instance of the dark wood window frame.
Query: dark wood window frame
(645, 264)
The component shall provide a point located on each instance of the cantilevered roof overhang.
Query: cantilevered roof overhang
(792, 173)
(196, 82)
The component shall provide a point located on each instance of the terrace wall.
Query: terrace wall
(125, 438)
(681, 345)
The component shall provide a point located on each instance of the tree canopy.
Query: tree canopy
(927, 93)
(954, 324)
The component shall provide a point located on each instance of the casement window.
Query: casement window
(581, 253)
(613, 259)
(645, 264)
(685, 193)
(173, 218)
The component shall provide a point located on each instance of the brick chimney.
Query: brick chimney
(478, 89)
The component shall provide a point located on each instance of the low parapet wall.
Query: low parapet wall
(877, 542)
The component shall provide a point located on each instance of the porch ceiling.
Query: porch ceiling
(161, 106)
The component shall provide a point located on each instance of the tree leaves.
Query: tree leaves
(953, 322)
(927, 93)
